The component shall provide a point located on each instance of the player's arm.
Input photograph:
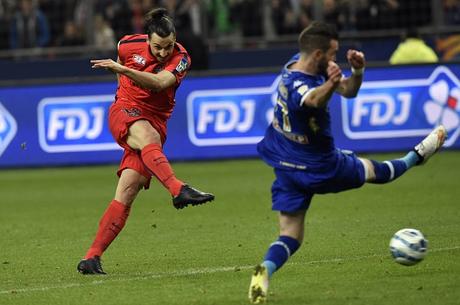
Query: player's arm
(155, 82)
(349, 86)
(121, 63)
(319, 97)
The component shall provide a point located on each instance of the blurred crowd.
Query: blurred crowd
(48, 23)
(100, 23)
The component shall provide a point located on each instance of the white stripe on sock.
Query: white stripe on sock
(392, 169)
(366, 169)
(280, 243)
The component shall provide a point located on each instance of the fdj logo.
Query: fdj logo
(226, 116)
(229, 116)
(8, 128)
(70, 124)
(404, 108)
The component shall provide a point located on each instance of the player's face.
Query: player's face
(162, 47)
(329, 55)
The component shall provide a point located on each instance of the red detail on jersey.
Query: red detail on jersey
(452, 102)
(134, 52)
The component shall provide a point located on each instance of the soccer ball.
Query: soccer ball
(408, 246)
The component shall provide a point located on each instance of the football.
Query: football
(408, 247)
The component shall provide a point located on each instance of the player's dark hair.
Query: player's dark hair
(158, 21)
(317, 35)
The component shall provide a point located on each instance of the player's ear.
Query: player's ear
(317, 54)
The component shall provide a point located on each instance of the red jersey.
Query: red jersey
(134, 52)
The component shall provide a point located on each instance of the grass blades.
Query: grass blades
(204, 255)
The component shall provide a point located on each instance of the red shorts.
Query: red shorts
(121, 117)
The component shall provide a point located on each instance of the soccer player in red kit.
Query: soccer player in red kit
(149, 68)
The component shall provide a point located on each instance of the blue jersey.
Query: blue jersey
(300, 136)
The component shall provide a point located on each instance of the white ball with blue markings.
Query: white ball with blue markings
(408, 247)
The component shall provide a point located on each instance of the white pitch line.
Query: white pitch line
(189, 272)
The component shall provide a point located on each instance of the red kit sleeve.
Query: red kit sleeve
(179, 65)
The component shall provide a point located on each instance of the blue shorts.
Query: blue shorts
(293, 189)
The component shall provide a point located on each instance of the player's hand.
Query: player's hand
(334, 73)
(107, 64)
(356, 59)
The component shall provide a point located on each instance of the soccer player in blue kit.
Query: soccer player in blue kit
(300, 147)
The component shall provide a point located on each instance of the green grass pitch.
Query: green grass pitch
(204, 255)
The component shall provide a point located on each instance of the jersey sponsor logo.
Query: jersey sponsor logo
(404, 108)
(182, 66)
(230, 116)
(73, 124)
(139, 59)
(8, 128)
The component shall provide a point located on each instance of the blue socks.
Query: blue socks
(410, 159)
(279, 252)
(271, 267)
(387, 171)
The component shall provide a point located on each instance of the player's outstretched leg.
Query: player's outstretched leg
(183, 195)
(388, 171)
(431, 144)
(259, 285)
(191, 196)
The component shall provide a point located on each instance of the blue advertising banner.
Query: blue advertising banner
(396, 107)
(224, 117)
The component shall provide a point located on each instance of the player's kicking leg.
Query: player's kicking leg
(387, 171)
(147, 139)
(182, 194)
(191, 196)
(431, 144)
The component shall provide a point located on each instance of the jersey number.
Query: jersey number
(285, 112)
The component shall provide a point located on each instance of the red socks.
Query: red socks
(155, 160)
(114, 218)
(111, 223)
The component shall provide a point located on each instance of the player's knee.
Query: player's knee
(132, 191)
(129, 193)
(141, 134)
(139, 141)
(151, 139)
(148, 136)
